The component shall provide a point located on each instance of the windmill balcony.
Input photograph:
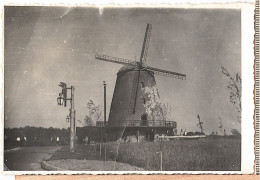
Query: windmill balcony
(139, 123)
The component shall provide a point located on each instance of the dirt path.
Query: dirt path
(93, 165)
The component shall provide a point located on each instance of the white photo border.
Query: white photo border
(247, 63)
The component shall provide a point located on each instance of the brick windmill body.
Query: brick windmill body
(127, 109)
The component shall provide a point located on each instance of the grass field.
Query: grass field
(219, 154)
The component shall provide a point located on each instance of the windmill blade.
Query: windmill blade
(146, 44)
(115, 60)
(167, 73)
(134, 92)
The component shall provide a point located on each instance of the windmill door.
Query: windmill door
(144, 120)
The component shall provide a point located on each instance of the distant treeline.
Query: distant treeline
(35, 136)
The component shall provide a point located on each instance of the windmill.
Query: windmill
(128, 100)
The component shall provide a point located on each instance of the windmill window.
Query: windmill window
(143, 100)
(142, 84)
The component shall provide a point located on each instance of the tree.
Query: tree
(235, 132)
(220, 125)
(234, 85)
(88, 121)
(154, 107)
(166, 111)
(95, 113)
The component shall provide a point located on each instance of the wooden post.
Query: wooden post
(100, 150)
(161, 157)
(105, 115)
(138, 136)
(105, 153)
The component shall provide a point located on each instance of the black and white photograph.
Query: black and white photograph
(144, 89)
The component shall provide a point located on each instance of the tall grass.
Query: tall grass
(182, 155)
(219, 154)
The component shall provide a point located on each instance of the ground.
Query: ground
(27, 158)
(93, 165)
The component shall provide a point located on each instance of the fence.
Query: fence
(139, 123)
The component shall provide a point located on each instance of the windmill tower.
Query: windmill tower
(127, 107)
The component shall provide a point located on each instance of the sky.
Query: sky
(46, 45)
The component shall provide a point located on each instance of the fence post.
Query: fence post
(105, 153)
(100, 151)
(138, 136)
(161, 159)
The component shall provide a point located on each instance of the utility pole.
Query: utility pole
(105, 104)
(62, 100)
(72, 121)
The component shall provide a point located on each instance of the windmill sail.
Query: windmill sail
(132, 104)
(138, 65)
(115, 60)
(167, 73)
(144, 52)
(146, 44)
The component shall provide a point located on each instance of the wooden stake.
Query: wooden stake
(100, 151)
(161, 159)
(105, 153)
(138, 136)
(105, 115)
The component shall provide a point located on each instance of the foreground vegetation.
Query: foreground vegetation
(214, 154)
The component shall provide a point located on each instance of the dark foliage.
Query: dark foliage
(35, 136)
(235, 133)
